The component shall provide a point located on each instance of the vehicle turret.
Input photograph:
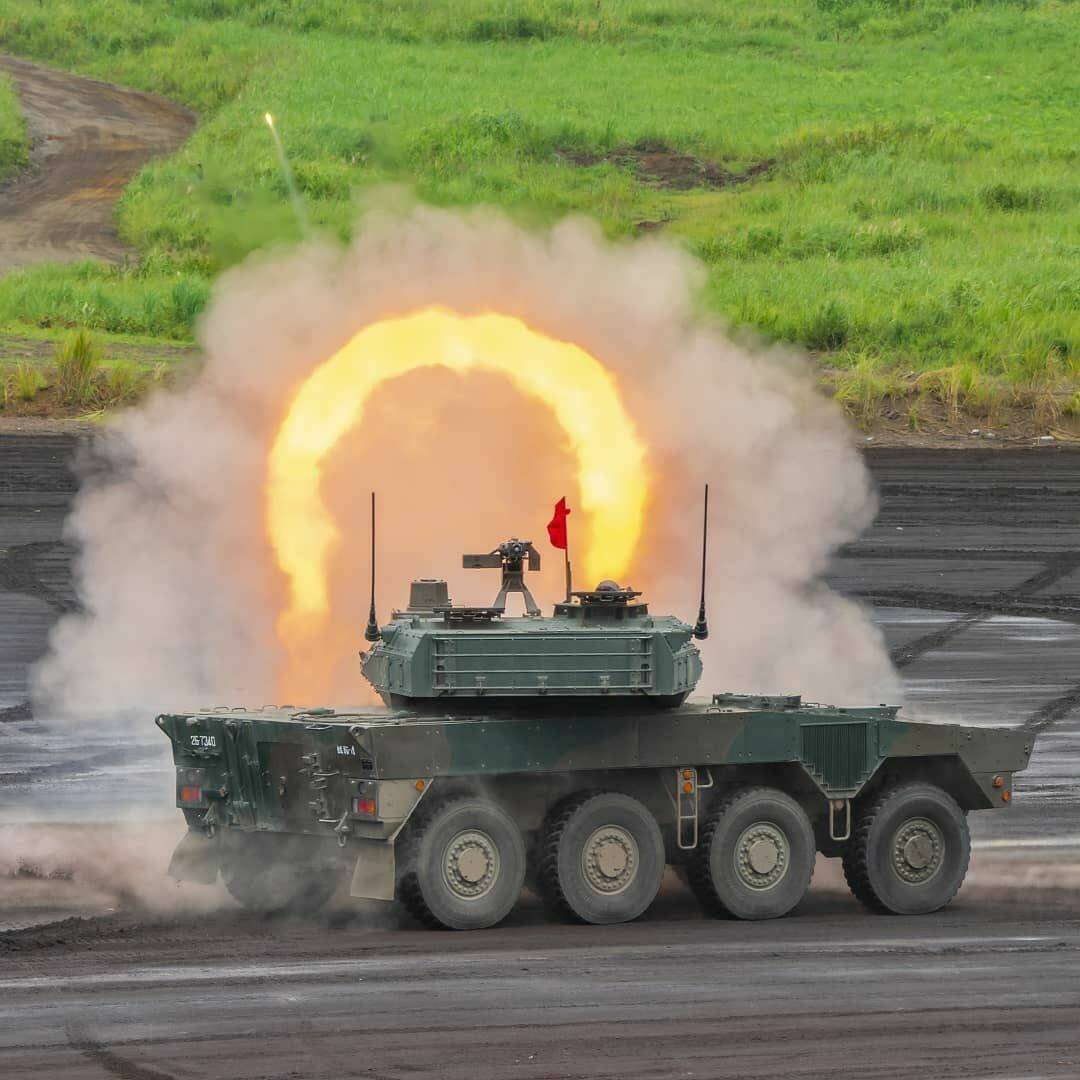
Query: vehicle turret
(602, 644)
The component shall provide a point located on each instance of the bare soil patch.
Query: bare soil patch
(661, 166)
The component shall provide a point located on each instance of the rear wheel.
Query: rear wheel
(464, 864)
(270, 887)
(755, 855)
(910, 851)
(601, 858)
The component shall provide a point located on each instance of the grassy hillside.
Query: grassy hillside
(890, 182)
(12, 130)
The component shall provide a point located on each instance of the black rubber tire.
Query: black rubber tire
(562, 879)
(713, 876)
(423, 888)
(273, 888)
(868, 858)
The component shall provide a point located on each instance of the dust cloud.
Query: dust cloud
(179, 584)
(51, 871)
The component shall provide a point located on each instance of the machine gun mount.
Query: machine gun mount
(512, 557)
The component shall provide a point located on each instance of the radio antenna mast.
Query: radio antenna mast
(701, 628)
(371, 631)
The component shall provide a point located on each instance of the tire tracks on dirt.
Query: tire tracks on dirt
(1056, 567)
(112, 1063)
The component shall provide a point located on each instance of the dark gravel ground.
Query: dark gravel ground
(977, 991)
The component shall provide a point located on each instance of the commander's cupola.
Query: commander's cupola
(608, 603)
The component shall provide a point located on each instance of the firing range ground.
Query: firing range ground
(968, 569)
(978, 991)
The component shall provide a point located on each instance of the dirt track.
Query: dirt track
(978, 991)
(88, 139)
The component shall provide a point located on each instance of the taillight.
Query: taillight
(190, 795)
(363, 806)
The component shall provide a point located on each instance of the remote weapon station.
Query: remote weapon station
(561, 753)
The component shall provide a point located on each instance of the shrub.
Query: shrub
(1004, 197)
(862, 389)
(963, 385)
(123, 383)
(26, 381)
(511, 28)
(76, 369)
(186, 300)
(827, 328)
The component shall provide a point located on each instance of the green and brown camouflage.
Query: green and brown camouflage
(530, 709)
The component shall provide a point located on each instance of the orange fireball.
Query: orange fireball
(582, 394)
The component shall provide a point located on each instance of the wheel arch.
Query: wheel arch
(946, 771)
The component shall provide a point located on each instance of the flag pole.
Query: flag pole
(566, 559)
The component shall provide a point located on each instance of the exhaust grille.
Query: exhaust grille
(836, 755)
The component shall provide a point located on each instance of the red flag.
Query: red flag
(557, 525)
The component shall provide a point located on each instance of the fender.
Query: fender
(196, 858)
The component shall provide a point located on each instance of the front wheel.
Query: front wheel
(910, 851)
(755, 856)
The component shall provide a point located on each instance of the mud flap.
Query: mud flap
(195, 859)
(374, 875)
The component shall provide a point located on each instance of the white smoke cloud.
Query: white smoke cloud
(179, 584)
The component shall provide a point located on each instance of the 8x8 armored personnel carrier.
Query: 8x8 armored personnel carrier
(561, 752)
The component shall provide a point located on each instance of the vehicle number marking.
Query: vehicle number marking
(347, 751)
(204, 742)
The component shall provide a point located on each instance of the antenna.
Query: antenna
(371, 631)
(701, 628)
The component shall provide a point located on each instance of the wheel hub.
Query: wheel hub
(918, 850)
(609, 859)
(762, 855)
(471, 864)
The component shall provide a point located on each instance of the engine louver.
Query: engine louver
(836, 755)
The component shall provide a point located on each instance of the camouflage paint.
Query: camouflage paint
(297, 772)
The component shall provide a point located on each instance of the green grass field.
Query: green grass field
(913, 200)
(12, 130)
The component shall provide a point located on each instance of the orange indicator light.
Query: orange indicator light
(688, 788)
(688, 774)
(420, 785)
(1006, 796)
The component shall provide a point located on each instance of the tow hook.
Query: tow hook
(343, 828)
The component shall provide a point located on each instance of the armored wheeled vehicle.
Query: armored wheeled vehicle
(562, 753)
